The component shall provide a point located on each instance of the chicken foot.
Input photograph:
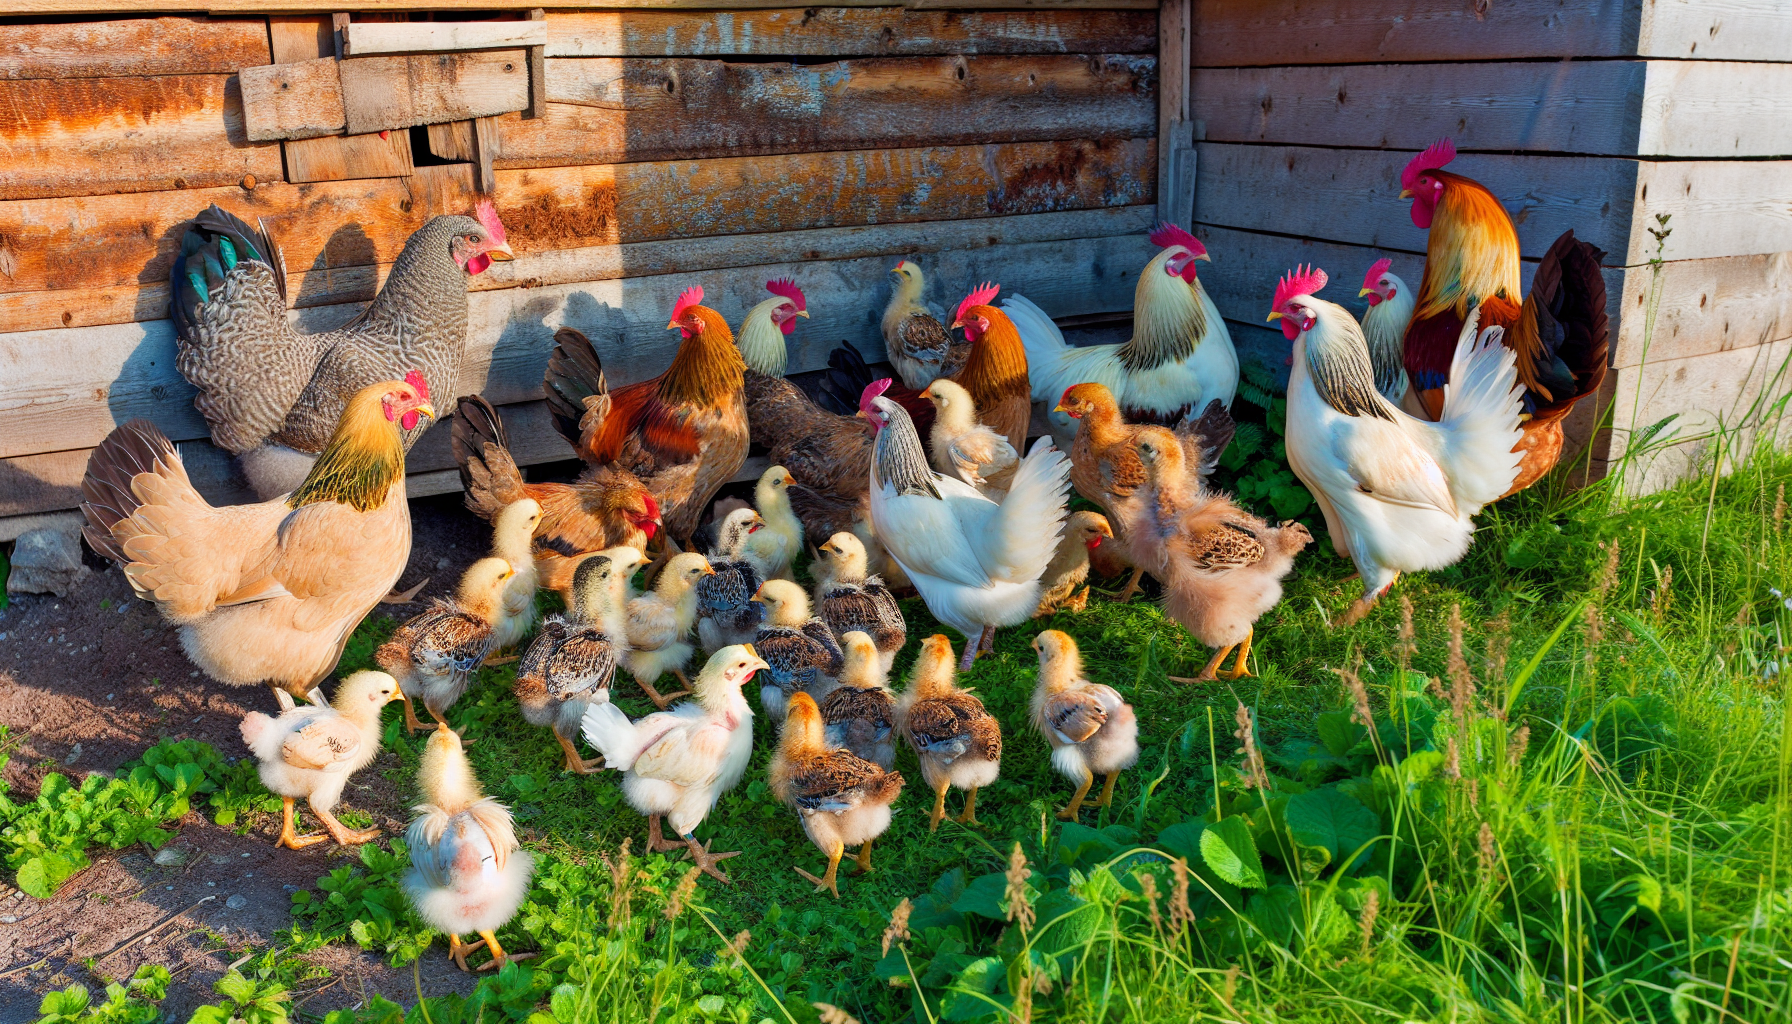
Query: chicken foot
(660, 701)
(1239, 668)
(575, 763)
(1211, 672)
(289, 837)
(1107, 790)
(863, 860)
(1075, 807)
(984, 642)
(707, 861)
(1132, 585)
(458, 951)
(969, 817)
(344, 835)
(655, 841)
(939, 806)
(411, 722)
(827, 881)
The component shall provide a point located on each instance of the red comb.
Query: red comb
(487, 214)
(1435, 156)
(787, 288)
(1299, 281)
(1376, 269)
(875, 389)
(416, 381)
(1166, 234)
(686, 299)
(985, 291)
(653, 507)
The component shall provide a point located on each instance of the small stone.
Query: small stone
(245, 855)
(122, 608)
(46, 561)
(10, 919)
(74, 754)
(109, 696)
(236, 902)
(170, 888)
(211, 885)
(442, 563)
(169, 857)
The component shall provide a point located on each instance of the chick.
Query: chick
(659, 626)
(468, 874)
(726, 612)
(773, 546)
(799, 649)
(311, 750)
(675, 764)
(861, 714)
(434, 653)
(513, 538)
(963, 447)
(848, 598)
(958, 743)
(572, 660)
(1062, 585)
(842, 799)
(1090, 728)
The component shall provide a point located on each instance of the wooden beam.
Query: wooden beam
(334, 157)
(22, 7)
(136, 46)
(365, 39)
(485, 149)
(301, 100)
(1756, 30)
(1706, 306)
(382, 93)
(538, 79)
(1716, 109)
(1175, 128)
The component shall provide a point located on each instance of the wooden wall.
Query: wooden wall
(707, 147)
(1595, 116)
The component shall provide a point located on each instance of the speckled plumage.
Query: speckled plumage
(800, 658)
(432, 654)
(861, 720)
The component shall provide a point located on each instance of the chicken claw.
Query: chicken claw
(344, 835)
(1210, 673)
(827, 881)
(661, 700)
(1075, 806)
(969, 817)
(863, 860)
(576, 764)
(706, 860)
(657, 842)
(458, 951)
(1244, 651)
(499, 957)
(289, 837)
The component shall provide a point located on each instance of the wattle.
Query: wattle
(788, 327)
(478, 263)
(409, 420)
(1188, 273)
(1374, 299)
(1290, 329)
(1421, 214)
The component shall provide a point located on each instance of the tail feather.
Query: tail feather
(1023, 536)
(1212, 432)
(488, 473)
(574, 374)
(846, 379)
(1480, 417)
(610, 731)
(1042, 339)
(136, 447)
(209, 250)
(1566, 309)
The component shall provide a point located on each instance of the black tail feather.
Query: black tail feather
(488, 473)
(574, 374)
(1568, 293)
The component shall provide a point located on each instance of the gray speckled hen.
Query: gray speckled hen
(272, 394)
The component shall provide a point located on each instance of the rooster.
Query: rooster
(1391, 304)
(995, 373)
(606, 507)
(683, 433)
(1558, 333)
(263, 594)
(976, 562)
(1180, 357)
(1399, 494)
(762, 333)
(920, 349)
(272, 395)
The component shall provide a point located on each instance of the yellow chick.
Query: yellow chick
(433, 655)
(310, 751)
(958, 743)
(659, 626)
(1091, 729)
(513, 539)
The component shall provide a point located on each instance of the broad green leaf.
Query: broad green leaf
(1339, 733)
(1327, 818)
(1229, 850)
(1183, 839)
(42, 875)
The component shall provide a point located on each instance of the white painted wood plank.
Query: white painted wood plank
(364, 38)
(1716, 109)
(1718, 208)
(1717, 29)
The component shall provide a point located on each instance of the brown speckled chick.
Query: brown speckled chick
(842, 799)
(860, 716)
(1091, 729)
(958, 743)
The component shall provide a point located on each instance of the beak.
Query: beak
(673, 326)
(709, 570)
(752, 652)
(1362, 292)
(1059, 408)
(758, 662)
(1406, 193)
(1204, 257)
(396, 695)
(956, 324)
(1274, 316)
(803, 313)
(425, 409)
(758, 596)
(500, 253)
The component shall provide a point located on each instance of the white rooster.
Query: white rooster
(1399, 494)
(976, 562)
(1179, 359)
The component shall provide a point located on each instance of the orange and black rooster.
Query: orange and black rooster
(683, 434)
(1558, 332)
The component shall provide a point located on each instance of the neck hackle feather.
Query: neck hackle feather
(362, 460)
(1471, 254)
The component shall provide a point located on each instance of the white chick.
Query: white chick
(963, 447)
(513, 539)
(310, 751)
(659, 626)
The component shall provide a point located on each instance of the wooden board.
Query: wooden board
(846, 32)
(1707, 392)
(613, 110)
(335, 157)
(300, 100)
(135, 46)
(1707, 306)
(1717, 109)
(363, 39)
(382, 93)
(95, 136)
(1719, 208)
(1717, 30)
(1175, 123)
(267, 6)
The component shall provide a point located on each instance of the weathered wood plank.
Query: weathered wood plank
(1719, 208)
(845, 32)
(382, 93)
(134, 46)
(1175, 123)
(1717, 109)
(92, 136)
(333, 157)
(363, 39)
(610, 110)
(301, 100)
(1720, 391)
(276, 6)
(1717, 30)
(1707, 306)
(1247, 33)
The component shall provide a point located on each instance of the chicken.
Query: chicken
(860, 714)
(848, 375)
(311, 751)
(848, 598)
(779, 539)
(995, 373)
(604, 508)
(957, 742)
(919, 348)
(683, 433)
(841, 799)
(1558, 333)
(762, 333)
(1180, 357)
(1222, 567)
(1105, 469)
(468, 872)
(964, 448)
(1399, 494)
(572, 661)
(976, 562)
(1090, 727)
(675, 764)
(660, 623)
(1384, 328)
(433, 654)
(271, 395)
(801, 653)
(726, 611)
(1064, 582)
(512, 540)
(263, 594)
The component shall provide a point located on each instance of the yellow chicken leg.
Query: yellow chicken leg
(411, 722)
(827, 881)
(499, 957)
(575, 763)
(1072, 809)
(939, 806)
(1209, 673)
(458, 951)
(344, 835)
(1244, 651)
(1132, 585)
(969, 817)
(290, 838)
(864, 857)
(1107, 790)
(660, 701)
(657, 842)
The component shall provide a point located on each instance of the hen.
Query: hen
(860, 714)
(263, 594)
(683, 434)
(572, 661)
(919, 348)
(1090, 727)
(1391, 304)
(1399, 494)
(1063, 582)
(660, 623)
(841, 799)
(1180, 357)
(272, 395)
(957, 742)
(976, 562)
(605, 507)
(800, 651)
(433, 654)
(311, 751)
(676, 764)
(963, 447)
(726, 611)
(847, 597)
(995, 373)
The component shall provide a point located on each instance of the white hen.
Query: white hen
(976, 562)
(1384, 327)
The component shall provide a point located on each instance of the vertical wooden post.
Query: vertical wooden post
(538, 82)
(1175, 128)
(485, 147)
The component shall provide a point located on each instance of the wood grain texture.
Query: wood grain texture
(301, 6)
(846, 32)
(382, 93)
(1717, 30)
(1719, 208)
(95, 136)
(612, 110)
(300, 37)
(300, 100)
(343, 157)
(364, 39)
(135, 46)
(1707, 306)
(1717, 109)
(1726, 390)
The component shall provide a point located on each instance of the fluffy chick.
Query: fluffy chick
(659, 626)
(962, 447)
(572, 660)
(848, 597)
(860, 715)
(841, 799)
(311, 750)
(468, 873)
(433, 655)
(675, 764)
(958, 743)
(1061, 586)
(1091, 729)
(513, 540)
(726, 612)
(801, 652)
(779, 539)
